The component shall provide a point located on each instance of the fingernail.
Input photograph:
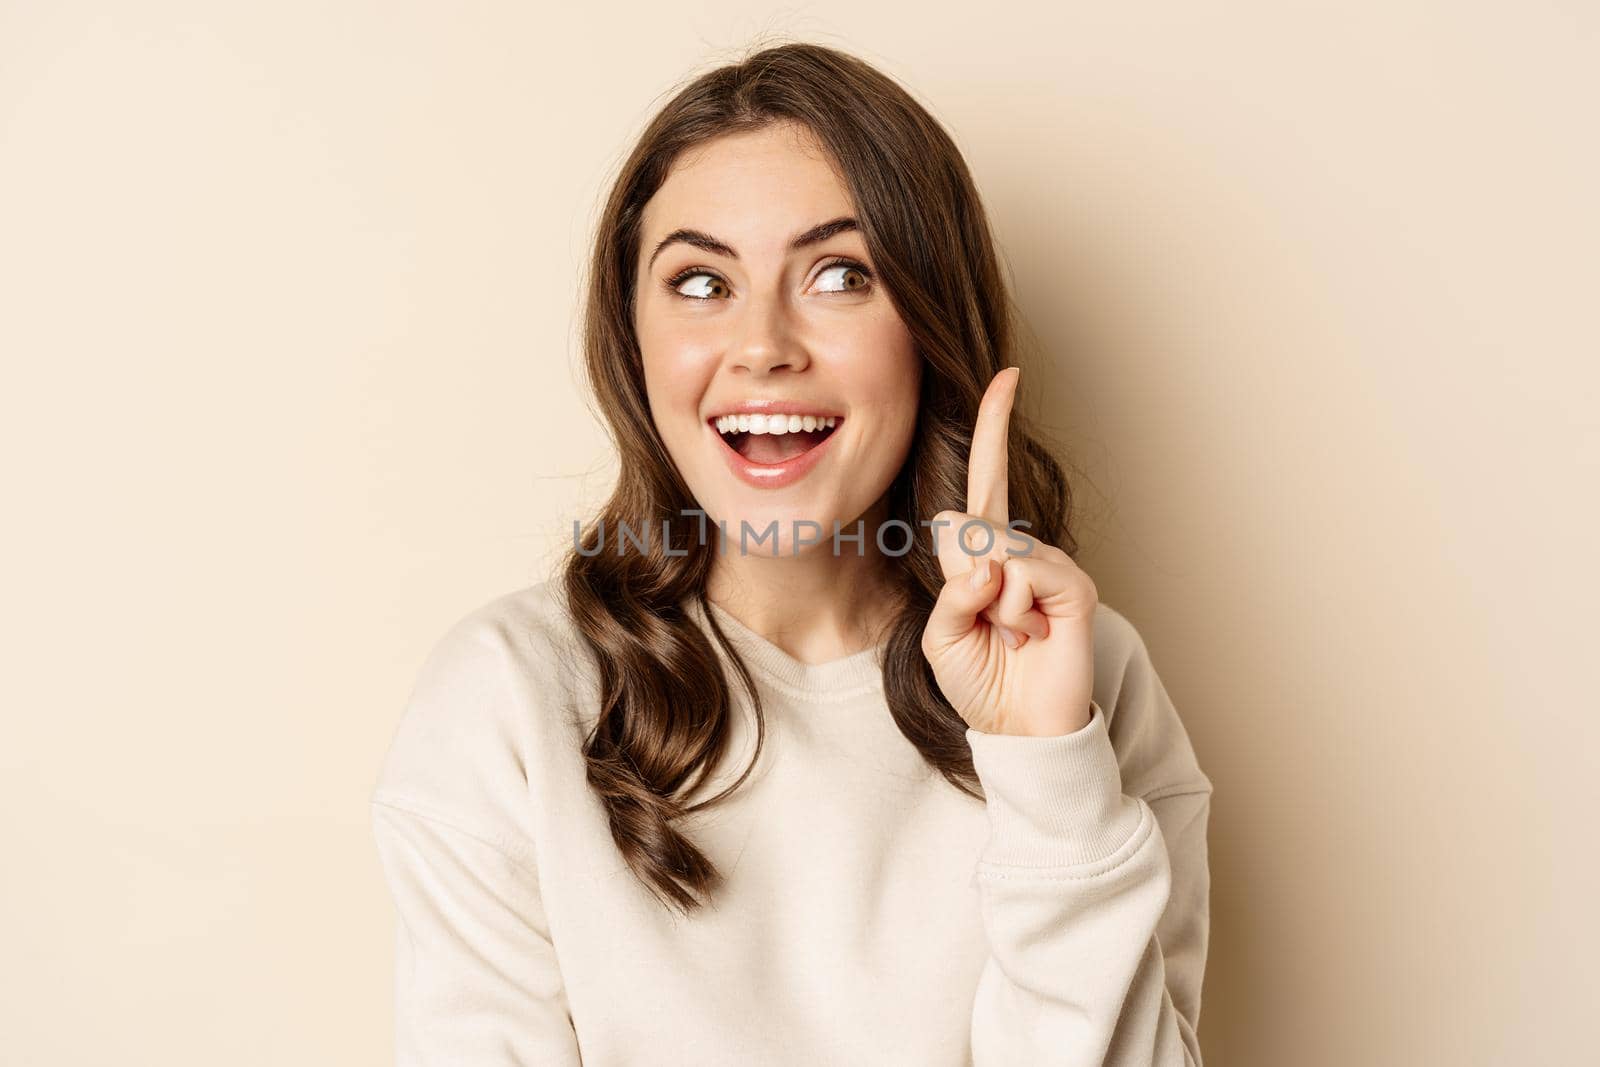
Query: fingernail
(980, 574)
(1008, 637)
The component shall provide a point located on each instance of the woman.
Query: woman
(947, 814)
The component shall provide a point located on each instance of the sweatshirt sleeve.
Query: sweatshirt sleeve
(1094, 882)
(476, 979)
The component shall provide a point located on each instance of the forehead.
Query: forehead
(752, 190)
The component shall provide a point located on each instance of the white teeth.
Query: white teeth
(773, 424)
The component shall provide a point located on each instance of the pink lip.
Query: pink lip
(773, 475)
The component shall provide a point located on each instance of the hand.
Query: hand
(1014, 654)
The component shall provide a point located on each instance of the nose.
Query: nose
(766, 343)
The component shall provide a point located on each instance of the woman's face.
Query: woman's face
(741, 326)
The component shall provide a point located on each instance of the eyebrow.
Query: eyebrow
(699, 239)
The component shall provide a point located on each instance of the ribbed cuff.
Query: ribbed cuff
(1053, 801)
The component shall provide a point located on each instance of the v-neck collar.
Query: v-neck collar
(851, 675)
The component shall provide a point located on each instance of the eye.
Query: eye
(851, 276)
(708, 286)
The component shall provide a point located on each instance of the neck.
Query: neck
(816, 606)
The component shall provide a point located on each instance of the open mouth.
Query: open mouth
(774, 439)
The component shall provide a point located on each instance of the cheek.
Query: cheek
(888, 375)
(670, 353)
(677, 367)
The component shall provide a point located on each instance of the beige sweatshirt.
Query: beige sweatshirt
(872, 914)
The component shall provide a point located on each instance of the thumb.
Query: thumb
(956, 611)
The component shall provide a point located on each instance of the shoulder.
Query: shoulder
(1121, 657)
(534, 613)
(525, 635)
(1153, 747)
(1113, 631)
(494, 688)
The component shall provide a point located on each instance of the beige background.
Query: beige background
(289, 301)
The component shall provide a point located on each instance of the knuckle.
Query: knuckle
(1018, 567)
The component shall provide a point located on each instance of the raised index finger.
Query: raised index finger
(986, 466)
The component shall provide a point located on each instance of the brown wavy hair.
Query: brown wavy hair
(665, 705)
